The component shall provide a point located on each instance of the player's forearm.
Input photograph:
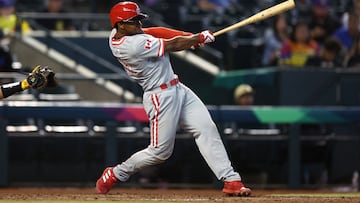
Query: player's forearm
(181, 43)
(12, 88)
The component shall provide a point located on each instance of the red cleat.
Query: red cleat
(106, 181)
(236, 188)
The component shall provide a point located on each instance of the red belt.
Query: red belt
(171, 83)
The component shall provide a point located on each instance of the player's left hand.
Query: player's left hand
(206, 37)
(41, 77)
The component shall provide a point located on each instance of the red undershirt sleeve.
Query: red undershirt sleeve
(165, 33)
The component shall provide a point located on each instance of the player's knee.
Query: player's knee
(164, 155)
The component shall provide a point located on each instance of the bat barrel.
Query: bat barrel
(267, 13)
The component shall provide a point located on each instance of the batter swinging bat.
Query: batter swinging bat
(267, 13)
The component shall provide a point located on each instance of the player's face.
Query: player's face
(132, 27)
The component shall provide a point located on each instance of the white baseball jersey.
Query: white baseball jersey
(144, 60)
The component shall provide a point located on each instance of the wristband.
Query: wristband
(11, 88)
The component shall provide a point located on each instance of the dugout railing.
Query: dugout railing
(113, 113)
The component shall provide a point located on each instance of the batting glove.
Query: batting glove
(206, 37)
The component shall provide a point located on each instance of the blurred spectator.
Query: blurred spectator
(353, 58)
(55, 7)
(328, 57)
(346, 35)
(151, 3)
(214, 5)
(274, 37)
(354, 8)
(322, 23)
(300, 46)
(9, 24)
(244, 95)
(244, 99)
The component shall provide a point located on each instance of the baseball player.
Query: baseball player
(144, 55)
(39, 78)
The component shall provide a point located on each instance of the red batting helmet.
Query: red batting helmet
(125, 11)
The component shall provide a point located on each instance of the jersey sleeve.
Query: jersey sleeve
(139, 46)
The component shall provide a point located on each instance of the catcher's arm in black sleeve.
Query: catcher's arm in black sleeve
(39, 78)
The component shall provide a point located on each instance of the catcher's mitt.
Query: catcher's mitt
(41, 77)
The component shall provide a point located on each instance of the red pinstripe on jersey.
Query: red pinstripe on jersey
(155, 121)
(161, 48)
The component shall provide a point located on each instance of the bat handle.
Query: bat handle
(217, 33)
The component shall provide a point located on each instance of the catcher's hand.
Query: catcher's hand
(41, 77)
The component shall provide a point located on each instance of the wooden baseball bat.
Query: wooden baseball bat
(264, 14)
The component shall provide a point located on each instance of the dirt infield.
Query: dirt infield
(180, 195)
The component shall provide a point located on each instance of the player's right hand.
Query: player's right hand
(206, 37)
